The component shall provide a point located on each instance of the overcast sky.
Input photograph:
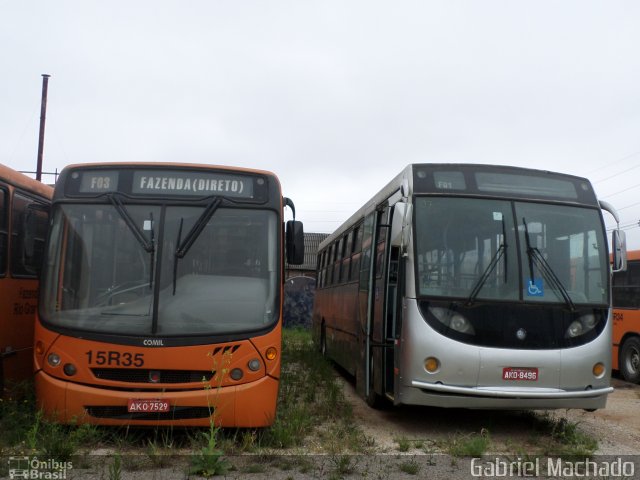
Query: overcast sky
(335, 97)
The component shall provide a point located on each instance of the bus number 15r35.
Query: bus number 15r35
(115, 359)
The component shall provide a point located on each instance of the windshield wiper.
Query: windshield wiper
(137, 233)
(149, 246)
(182, 247)
(152, 238)
(500, 252)
(547, 272)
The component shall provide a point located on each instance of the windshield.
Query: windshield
(114, 269)
(481, 249)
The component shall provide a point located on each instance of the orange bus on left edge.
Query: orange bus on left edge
(626, 319)
(24, 217)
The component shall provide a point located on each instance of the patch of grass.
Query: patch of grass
(403, 444)
(473, 445)
(560, 437)
(310, 397)
(411, 467)
(344, 464)
(115, 469)
(17, 416)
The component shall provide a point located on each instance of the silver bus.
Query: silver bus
(472, 286)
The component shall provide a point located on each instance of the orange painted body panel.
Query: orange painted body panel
(249, 402)
(626, 321)
(18, 305)
(18, 296)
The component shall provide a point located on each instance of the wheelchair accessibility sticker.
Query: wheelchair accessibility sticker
(535, 288)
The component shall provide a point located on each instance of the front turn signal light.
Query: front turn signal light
(272, 353)
(431, 364)
(598, 370)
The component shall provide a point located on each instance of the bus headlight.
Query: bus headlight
(453, 320)
(53, 359)
(581, 326)
(254, 365)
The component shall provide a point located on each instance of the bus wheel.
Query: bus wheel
(630, 360)
(373, 399)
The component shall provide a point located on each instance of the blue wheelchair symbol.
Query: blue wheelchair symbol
(535, 288)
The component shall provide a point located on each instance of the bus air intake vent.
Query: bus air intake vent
(136, 375)
(176, 413)
(226, 350)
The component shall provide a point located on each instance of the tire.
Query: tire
(373, 399)
(629, 360)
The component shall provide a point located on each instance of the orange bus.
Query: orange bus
(161, 298)
(626, 319)
(24, 217)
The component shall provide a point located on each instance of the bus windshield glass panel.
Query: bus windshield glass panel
(116, 269)
(468, 249)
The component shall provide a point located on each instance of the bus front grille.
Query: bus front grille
(136, 375)
(176, 413)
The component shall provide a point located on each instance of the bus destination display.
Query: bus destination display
(167, 182)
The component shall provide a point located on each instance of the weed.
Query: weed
(411, 467)
(567, 440)
(209, 460)
(403, 444)
(474, 445)
(159, 455)
(344, 464)
(115, 469)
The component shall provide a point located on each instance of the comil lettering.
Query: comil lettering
(196, 185)
(155, 342)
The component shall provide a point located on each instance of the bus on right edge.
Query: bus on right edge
(472, 286)
(626, 319)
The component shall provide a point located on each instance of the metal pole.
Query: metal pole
(43, 117)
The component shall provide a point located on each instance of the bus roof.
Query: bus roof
(20, 180)
(169, 165)
(406, 176)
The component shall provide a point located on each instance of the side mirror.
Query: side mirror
(295, 243)
(619, 247)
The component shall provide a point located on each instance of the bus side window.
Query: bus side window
(29, 229)
(3, 231)
(626, 287)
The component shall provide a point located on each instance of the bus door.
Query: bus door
(382, 312)
(365, 307)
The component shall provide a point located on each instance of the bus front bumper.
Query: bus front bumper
(438, 394)
(246, 405)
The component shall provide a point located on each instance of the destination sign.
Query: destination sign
(98, 181)
(167, 182)
(191, 183)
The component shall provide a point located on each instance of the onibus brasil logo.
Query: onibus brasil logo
(34, 468)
